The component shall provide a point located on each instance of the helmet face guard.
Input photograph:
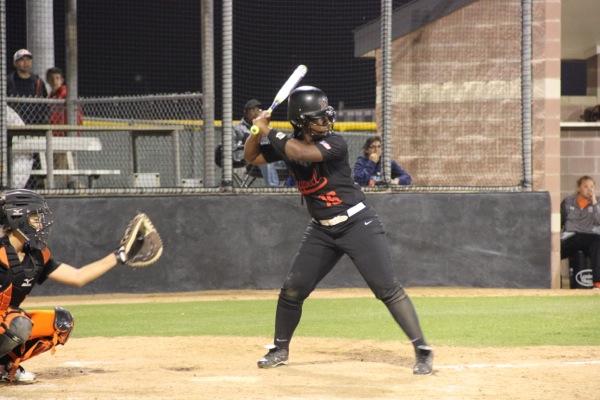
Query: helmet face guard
(27, 212)
(309, 111)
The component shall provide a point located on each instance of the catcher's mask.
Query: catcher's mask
(27, 212)
(309, 112)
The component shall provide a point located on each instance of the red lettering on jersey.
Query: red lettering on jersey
(330, 198)
(315, 183)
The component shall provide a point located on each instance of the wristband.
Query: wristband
(120, 254)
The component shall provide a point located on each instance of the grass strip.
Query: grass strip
(453, 321)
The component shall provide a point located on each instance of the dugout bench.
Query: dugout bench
(39, 139)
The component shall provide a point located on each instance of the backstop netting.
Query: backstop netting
(134, 71)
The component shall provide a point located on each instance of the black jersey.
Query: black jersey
(327, 186)
(34, 269)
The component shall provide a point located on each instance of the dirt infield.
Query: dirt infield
(225, 367)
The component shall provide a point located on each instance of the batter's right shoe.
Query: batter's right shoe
(274, 358)
(424, 363)
(21, 376)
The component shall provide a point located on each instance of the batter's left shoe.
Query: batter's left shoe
(424, 363)
(21, 376)
(274, 358)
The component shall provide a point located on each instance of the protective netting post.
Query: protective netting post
(227, 161)
(526, 93)
(3, 117)
(386, 88)
(208, 90)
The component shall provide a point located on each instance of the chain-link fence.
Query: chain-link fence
(122, 142)
(455, 89)
(135, 142)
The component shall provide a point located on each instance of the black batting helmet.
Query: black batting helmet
(308, 102)
(27, 212)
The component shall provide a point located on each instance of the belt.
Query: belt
(343, 217)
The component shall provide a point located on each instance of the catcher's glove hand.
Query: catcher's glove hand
(141, 244)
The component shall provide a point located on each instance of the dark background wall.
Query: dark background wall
(247, 241)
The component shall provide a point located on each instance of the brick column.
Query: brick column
(546, 115)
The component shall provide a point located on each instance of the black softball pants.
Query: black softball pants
(363, 239)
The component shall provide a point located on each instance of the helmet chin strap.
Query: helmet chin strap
(23, 237)
(316, 135)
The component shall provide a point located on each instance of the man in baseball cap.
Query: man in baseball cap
(23, 83)
(241, 131)
(250, 104)
(22, 53)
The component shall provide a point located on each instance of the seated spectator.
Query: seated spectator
(367, 169)
(580, 221)
(241, 131)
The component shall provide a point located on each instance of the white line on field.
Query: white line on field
(87, 363)
(474, 366)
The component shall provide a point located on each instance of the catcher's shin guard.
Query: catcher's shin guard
(15, 328)
(50, 328)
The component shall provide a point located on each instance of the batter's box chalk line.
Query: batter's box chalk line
(530, 365)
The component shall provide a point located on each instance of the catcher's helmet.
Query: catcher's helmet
(307, 102)
(27, 212)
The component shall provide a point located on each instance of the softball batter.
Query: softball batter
(341, 222)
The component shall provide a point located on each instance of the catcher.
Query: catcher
(25, 260)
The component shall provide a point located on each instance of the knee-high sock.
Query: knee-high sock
(287, 319)
(405, 315)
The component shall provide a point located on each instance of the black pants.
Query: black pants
(588, 244)
(363, 239)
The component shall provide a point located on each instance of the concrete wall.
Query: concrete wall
(247, 241)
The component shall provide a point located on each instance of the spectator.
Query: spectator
(21, 163)
(580, 221)
(22, 83)
(58, 90)
(241, 131)
(367, 168)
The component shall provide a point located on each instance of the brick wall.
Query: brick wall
(456, 98)
(580, 155)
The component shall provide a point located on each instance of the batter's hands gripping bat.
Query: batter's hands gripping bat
(285, 91)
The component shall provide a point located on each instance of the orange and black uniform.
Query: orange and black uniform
(17, 279)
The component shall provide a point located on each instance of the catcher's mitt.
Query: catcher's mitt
(141, 244)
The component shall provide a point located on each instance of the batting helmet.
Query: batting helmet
(27, 212)
(308, 102)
